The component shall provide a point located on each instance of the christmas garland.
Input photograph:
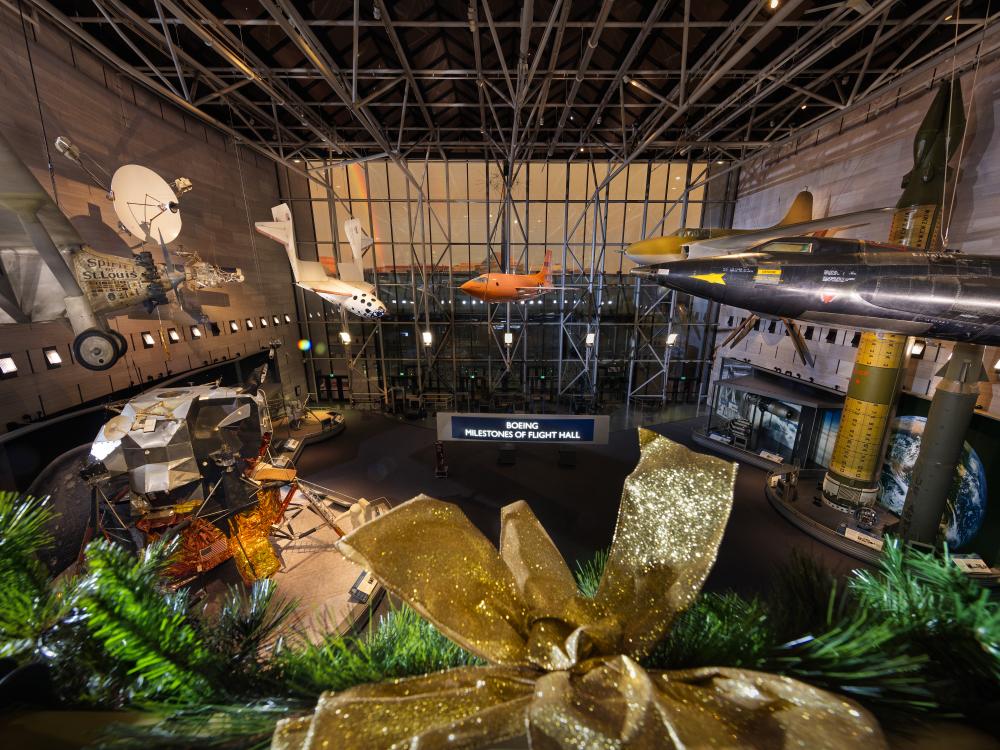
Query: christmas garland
(915, 638)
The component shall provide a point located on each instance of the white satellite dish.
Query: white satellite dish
(146, 204)
(118, 427)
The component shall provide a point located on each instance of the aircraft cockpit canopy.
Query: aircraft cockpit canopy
(480, 280)
(687, 233)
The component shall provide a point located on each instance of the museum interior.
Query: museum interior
(487, 374)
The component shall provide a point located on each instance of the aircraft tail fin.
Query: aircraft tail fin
(800, 211)
(546, 270)
(359, 242)
(282, 231)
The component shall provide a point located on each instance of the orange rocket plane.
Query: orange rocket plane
(512, 287)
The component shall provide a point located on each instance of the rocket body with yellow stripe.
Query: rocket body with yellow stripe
(853, 284)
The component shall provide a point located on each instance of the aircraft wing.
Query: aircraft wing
(744, 240)
(18, 187)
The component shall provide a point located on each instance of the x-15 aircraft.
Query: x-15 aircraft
(851, 283)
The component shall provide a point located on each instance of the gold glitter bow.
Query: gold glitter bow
(564, 668)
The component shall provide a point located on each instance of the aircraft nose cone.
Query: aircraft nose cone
(466, 287)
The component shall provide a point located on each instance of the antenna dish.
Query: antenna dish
(145, 203)
(118, 427)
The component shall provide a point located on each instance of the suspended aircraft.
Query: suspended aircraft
(350, 291)
(849, 283)
(694, 243)
(512, 287)
(47, 272)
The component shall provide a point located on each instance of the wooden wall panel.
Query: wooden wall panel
(115, 122)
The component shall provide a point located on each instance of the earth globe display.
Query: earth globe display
(967, 502)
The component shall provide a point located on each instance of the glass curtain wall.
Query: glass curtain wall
(455, 220)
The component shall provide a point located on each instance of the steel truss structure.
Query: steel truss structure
(321, 87)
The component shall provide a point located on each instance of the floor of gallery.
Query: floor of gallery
(378, 456)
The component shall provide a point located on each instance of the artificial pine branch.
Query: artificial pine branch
(142, 625)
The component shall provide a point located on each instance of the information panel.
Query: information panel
(523, 428)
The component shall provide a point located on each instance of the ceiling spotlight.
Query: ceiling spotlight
(591, 337)
(195, 332)
(7, 366)
(671, 339)
(773, 4)
(508, 338)
(803, 106)
(345, 337)
(173, 335)
(427, 337)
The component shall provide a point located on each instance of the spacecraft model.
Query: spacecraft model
(191, 462)
(851, 283)
(695, 243)
(47, 272)
(350, 291)
(512, 287)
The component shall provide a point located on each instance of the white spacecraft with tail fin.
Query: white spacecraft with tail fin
(350, 290)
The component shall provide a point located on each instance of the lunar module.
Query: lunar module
(191, 462)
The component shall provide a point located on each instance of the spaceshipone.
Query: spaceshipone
(851, 283)
(350, 291)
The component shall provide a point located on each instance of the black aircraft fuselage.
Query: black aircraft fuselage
(851, 283)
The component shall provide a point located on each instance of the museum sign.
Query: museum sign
(523, 428)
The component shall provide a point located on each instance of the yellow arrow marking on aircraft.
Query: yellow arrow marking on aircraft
(711, 278)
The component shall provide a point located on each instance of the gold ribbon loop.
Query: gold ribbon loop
(565, 667)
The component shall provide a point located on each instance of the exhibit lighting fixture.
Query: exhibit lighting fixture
(234, 326)
(263, 322)
(249, 324)
(195, 332)
(345, 336)
(52, 358)
(147, 340)
(773, 4)
(288, 318)
(508, 338)
(173, 335)
(276, 320)
(7, 366)
(917, 350)
(427, 338)
(590, 338)
(671, 339)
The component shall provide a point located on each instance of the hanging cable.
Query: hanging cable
(38, 102)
